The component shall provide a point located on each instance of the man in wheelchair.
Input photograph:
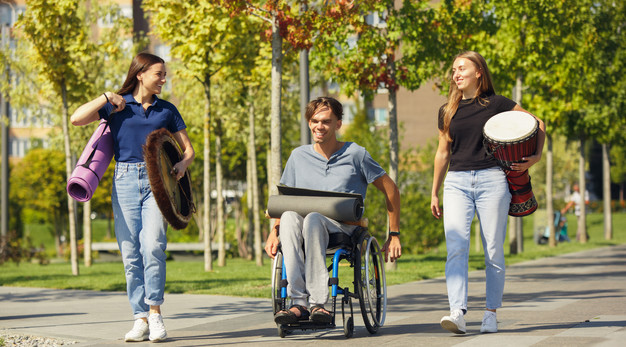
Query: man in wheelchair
(331, 165)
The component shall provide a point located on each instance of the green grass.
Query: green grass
(242, 278)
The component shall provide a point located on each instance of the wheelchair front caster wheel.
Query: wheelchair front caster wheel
(348, 328)
(281, 332)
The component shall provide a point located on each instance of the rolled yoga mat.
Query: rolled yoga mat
(345, 209)
(92, 164)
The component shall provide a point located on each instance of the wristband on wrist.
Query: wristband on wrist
(106, 97)
(394, 233)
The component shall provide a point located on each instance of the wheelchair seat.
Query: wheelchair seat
(337, 241)
(363, 253)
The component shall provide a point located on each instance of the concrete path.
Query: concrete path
(572, 300)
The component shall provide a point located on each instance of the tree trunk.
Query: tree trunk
(68, 172)
(58, 244)
(305, 133)
(549, 197)
(519, 221)
(242, 238)
(477, 242)
(512, 235)
(250, 216)
(268, 165)
(393, 142)
(87, 232)
(275, 121)
(275, 158)
(206, 184)
(219, 182)
(4, 134)
(110, 225)
(582, 219)
(254, 181)
(606, 192)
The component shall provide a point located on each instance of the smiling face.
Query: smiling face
(324, 125)
(153, 79)
(465, 75)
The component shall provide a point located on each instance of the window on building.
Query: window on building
(375, 19)
(18, 147)
(348, 113)
(380, 116)
(5, 15)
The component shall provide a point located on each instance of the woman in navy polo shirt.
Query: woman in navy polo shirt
(134, 112)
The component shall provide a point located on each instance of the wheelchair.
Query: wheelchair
(362, 252)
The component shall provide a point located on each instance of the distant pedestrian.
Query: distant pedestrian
(576, 200)
(133, 113)
(474, 184)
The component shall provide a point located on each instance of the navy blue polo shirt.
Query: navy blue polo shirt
(131, 126)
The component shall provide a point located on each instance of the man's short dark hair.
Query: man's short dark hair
(324, 101)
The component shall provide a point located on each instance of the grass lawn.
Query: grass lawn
(242, 278)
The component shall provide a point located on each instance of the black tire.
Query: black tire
(370, 286)
(281, 332)
(348, 328)
(277, 271)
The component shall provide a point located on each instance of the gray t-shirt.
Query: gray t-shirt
(349, 170)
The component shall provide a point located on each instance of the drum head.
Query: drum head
(173, 197)
(510, 126)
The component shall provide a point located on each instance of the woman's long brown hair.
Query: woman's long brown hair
(140, 63)
(485, 85)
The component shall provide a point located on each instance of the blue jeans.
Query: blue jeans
(486, 193)
(140, 231)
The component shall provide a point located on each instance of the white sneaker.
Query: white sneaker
(138, 333)
(490, 323)
(157, 328)
(455, 322)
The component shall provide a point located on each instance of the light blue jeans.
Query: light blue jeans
(486, 193)
(140, 230)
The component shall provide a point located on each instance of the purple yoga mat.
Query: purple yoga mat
(92, 164)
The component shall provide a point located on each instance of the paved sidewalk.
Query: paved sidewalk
(572, 300)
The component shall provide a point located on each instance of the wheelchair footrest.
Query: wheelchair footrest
(307, 325)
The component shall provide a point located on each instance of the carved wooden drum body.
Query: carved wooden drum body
(510, 136)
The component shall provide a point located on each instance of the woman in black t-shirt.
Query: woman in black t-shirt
(473, 184)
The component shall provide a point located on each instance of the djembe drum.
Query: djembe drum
(510, 136)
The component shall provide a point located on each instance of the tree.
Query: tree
(373, 46)
(38, 184)
(71, 77)
(60, 39)
(603, 53)
(205, 38)
(537, 42)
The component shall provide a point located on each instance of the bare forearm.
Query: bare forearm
(441, 165)
(88, 112)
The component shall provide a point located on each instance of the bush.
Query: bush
(13, 248)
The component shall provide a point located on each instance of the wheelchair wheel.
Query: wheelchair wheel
(281, 332)
(348, 328)
(277, 272)
(370, 283)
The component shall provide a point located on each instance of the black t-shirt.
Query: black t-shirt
(466, 131)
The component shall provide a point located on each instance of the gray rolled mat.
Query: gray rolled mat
(338, 208)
